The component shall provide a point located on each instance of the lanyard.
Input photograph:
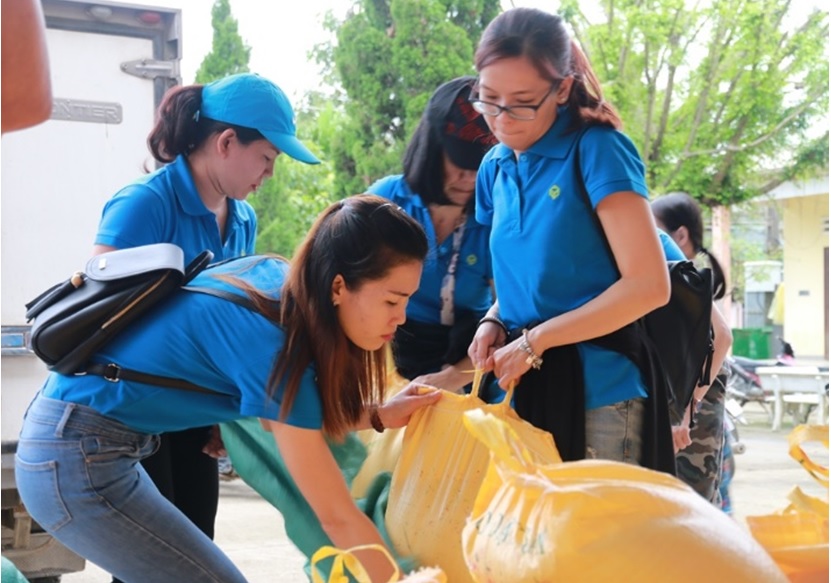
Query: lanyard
(448, 283)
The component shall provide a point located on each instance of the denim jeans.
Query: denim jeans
(79, 476)
(614, 432)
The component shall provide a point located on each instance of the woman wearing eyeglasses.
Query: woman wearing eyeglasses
(562, 327)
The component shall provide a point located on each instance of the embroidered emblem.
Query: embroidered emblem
(554, 192)
(471, 259)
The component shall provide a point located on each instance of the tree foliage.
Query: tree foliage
(721, 97)
(229, 54)
(388, 58)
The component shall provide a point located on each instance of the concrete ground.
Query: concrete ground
(251, 532)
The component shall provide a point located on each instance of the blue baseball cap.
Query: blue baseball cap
(251, 101)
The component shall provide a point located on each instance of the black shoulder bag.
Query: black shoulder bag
(76, 318)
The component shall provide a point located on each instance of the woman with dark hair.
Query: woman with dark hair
(679, 215)
(436, 189)
(309, 361)
(572, 275)
(701, 449)
(219, 143)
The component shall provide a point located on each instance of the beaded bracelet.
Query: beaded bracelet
(494, 320)
(534, 359)
(375, 419)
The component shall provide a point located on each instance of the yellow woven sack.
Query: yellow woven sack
(797, 537)
(438, 477)
(346, 563)
(597, 521)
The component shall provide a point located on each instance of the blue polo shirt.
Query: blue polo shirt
(672, 251)
(164, 207)
(473, 270)
(548, 257)
(208, 341)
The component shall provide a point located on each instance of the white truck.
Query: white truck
(111, 63)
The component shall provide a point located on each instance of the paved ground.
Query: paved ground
(251, 531)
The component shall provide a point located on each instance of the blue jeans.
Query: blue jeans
(79, 476)
(614, 432)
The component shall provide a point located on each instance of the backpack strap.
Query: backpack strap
(114, 373)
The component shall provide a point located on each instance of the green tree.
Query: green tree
(229, 54)
(289, 201)
(389, 56)
(722, 98)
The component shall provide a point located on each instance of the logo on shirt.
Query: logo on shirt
(471, 259)
(554, 192)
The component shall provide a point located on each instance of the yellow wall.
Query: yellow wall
(805, 241)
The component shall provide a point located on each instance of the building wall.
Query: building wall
(805, 232)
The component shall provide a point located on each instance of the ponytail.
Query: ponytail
(176, 130)
(586, 94)
(719, 282)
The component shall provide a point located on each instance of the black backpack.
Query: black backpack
(680, 332)
(76, 318)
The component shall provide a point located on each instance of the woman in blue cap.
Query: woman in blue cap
(309, 362)
(436, 189)
(219, 143)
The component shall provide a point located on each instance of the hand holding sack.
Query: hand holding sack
(596, 520)
(439, 474)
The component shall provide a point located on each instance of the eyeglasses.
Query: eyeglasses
(520, 112)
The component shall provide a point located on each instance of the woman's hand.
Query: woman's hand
(510, 362)
(488, 338)
(397, 411)
(215, 448)
(680, 437)
(681, 433)
(453, 377)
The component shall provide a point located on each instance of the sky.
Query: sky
(280, 42)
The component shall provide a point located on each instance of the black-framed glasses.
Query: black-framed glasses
(520, 112)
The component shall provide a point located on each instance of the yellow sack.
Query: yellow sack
(797, 537)
(438, 476)
(597, 521)
(346, 563)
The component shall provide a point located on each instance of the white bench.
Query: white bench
(795, 384)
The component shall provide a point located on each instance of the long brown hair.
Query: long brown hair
(542, 38)
(360, 238)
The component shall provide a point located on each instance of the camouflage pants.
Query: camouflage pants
(699, 464)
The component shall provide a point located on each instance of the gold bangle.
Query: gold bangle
(375, 419)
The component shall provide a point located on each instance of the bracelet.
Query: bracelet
(534, 359)
(494, 320)
(375, 419)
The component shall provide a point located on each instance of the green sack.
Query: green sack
(255, 457)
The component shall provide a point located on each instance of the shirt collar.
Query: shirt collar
(556, 143)
(185, 189)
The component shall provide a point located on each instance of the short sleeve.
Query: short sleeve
(610, 163)
(485, 178)
(135, 216)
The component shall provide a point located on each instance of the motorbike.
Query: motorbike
(744, 383)
(734, 416)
